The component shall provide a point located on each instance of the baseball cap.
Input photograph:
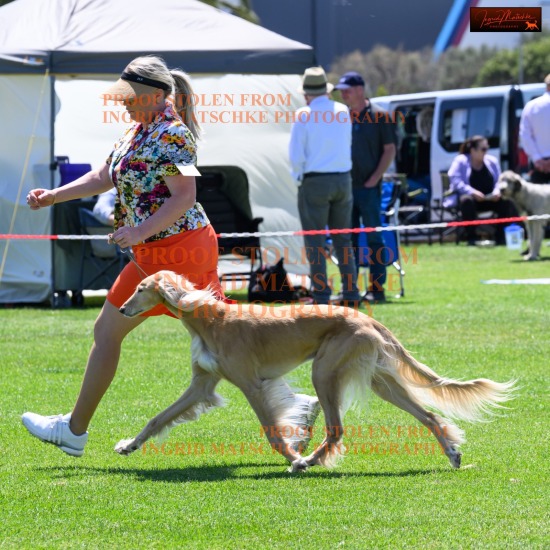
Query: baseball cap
(349, 80)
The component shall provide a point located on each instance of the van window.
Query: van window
(462, 119)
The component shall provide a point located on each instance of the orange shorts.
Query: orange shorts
(193, 254)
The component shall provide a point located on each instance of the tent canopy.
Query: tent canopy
(102, 36)
(85, 44)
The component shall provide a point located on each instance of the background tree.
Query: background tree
(503, 67)
(459, 68)
(388, 71)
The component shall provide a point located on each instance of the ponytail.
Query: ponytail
(184, 101)
(154, 67)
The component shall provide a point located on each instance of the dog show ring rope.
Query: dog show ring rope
(439, 225)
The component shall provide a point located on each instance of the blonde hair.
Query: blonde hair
(152, 66)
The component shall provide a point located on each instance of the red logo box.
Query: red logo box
(505, 19)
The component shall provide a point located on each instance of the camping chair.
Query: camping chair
(455, 213)
(389, 205)
(414, 205)
(445, 211)
(223, 192)
(100, 262)
(69, 172)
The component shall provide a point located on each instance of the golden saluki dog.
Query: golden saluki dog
(350, 353)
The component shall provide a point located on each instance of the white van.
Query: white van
(432, 125)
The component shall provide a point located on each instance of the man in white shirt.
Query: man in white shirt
(534, 132)
(320, 158)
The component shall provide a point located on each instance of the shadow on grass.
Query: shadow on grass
(525, 262)
(221, 473)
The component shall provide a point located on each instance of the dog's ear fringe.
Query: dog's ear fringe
(181, 294)
(196, 298)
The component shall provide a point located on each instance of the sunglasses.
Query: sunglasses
(484, 149)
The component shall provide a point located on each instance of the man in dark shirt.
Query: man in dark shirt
(372, 151)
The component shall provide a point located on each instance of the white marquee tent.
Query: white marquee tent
(56, 56)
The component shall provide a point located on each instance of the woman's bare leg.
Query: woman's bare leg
(111, 327)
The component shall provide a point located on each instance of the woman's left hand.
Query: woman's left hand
(126, 236)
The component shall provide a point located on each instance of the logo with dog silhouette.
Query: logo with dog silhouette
(505, 19)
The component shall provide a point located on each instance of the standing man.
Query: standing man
(320, 157)
(534, 133)
(372, 152)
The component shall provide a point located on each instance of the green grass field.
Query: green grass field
(216, 484)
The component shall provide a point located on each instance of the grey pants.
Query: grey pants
(327, 200)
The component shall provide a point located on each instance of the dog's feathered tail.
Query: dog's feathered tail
(385, 361)
(471, 400)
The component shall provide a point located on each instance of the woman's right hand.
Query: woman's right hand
(478, 195)
(38, 198)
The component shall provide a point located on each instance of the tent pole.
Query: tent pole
(53, 167)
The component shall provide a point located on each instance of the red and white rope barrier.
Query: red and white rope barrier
(439, 225)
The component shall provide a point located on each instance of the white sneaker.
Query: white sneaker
(55, 430)
(305, 413)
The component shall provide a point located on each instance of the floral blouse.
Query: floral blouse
(138, 164)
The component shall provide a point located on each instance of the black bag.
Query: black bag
(270, 283)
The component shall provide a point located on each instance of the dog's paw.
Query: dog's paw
(299, 465)
(126, 446)
(455, 459)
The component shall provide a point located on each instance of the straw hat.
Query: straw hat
(314, 82)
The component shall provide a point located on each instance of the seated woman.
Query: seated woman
(473, 178)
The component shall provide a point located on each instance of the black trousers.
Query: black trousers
(469, 207)
(540, 177)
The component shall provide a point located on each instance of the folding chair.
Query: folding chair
(414, 205)
(100, 262)
(413, 166)
(445, 210)
(452, 211)
(223, 192)
(69, 172)
(389, 206)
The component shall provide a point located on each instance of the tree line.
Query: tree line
(395, 71)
